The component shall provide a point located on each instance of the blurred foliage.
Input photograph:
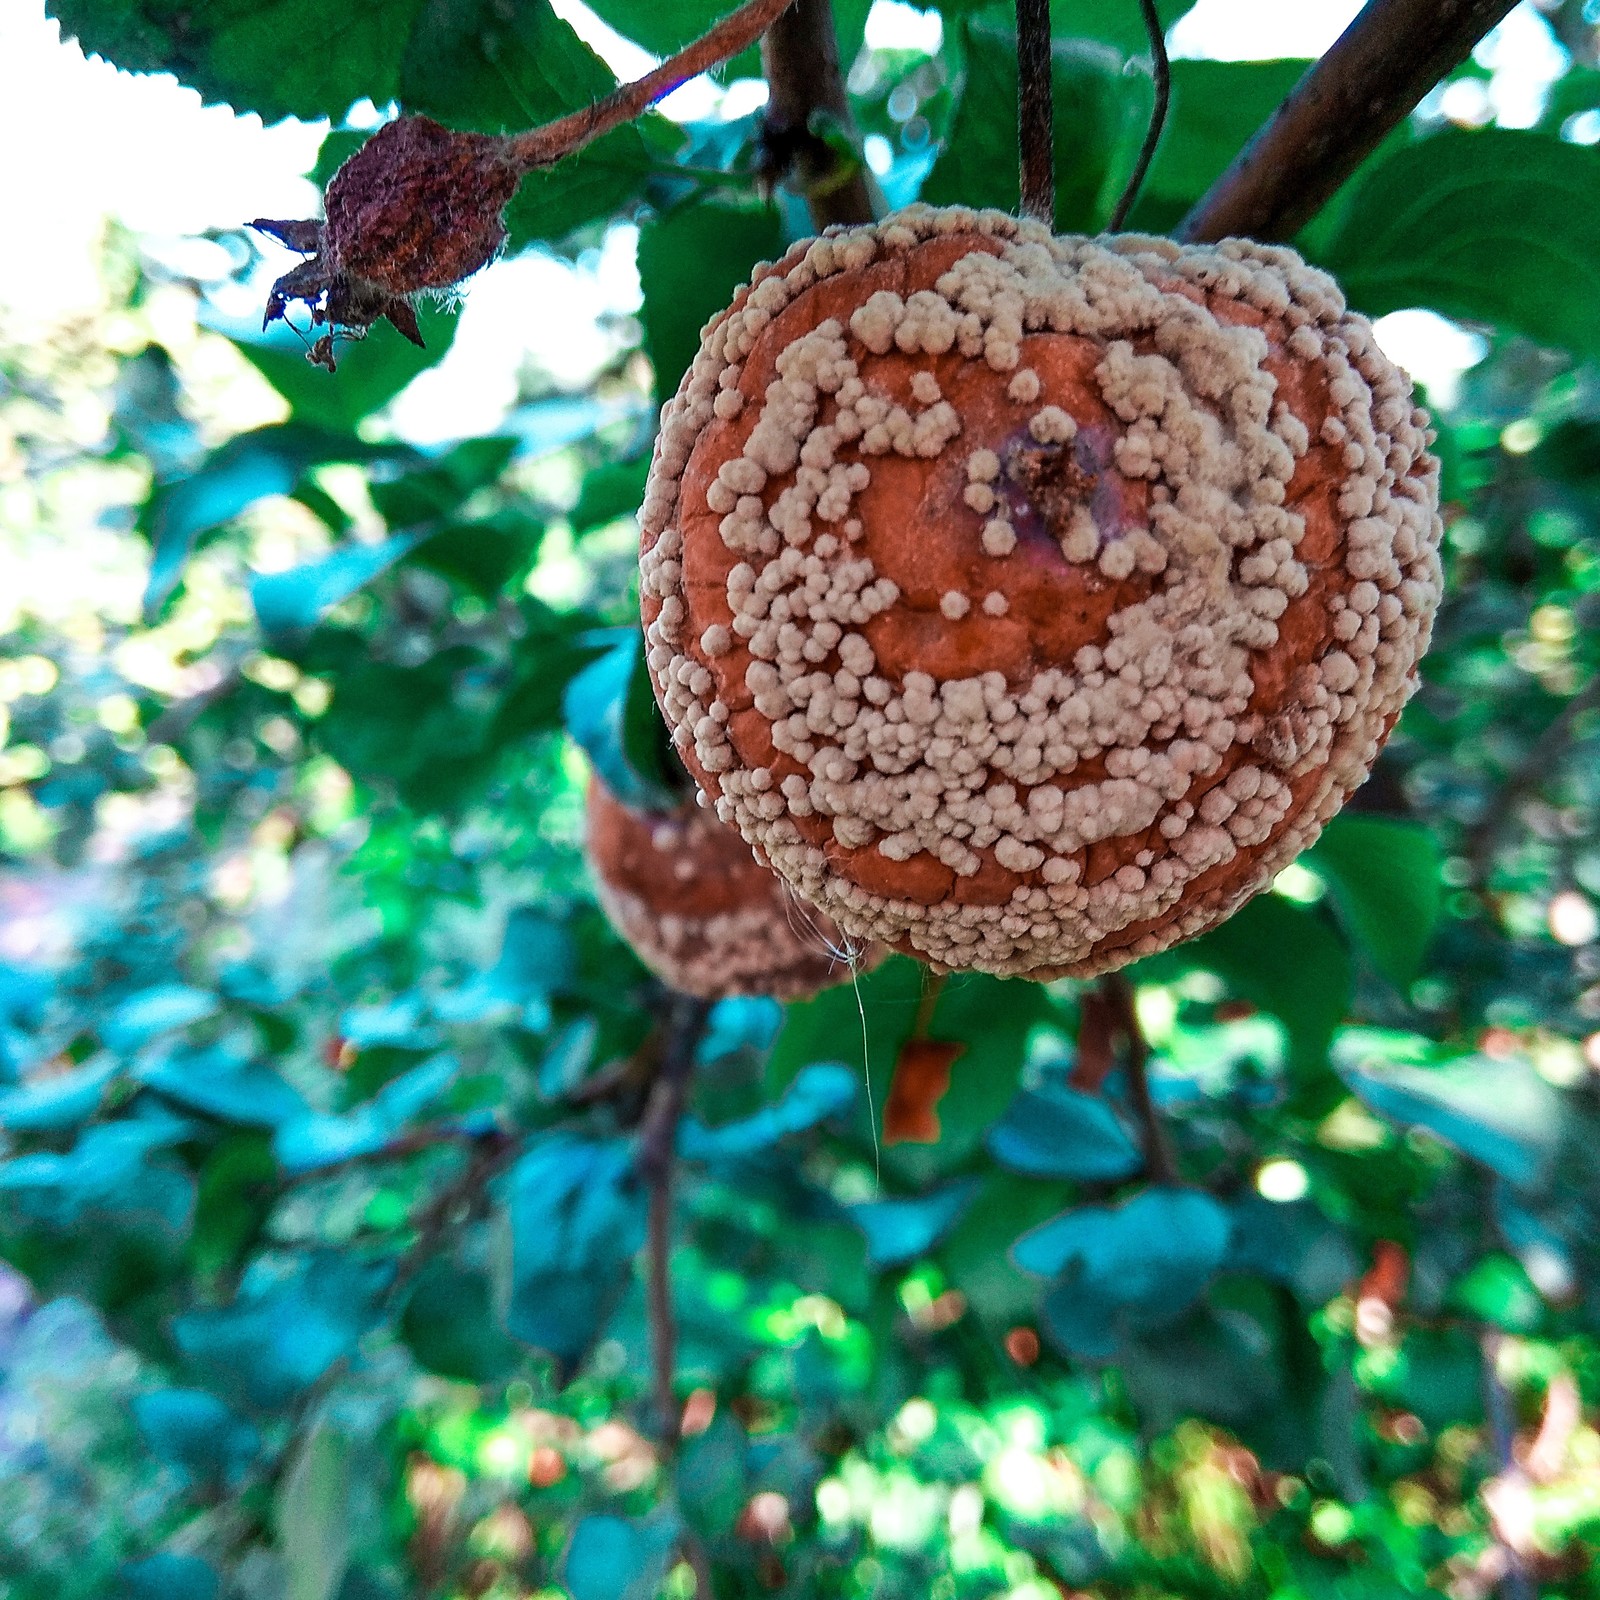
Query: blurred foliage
(319, 1185)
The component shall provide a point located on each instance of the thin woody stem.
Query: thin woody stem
(1036, 111)
(1159, 1165)
(539, 147)
(1158, 114)
(684, 1024)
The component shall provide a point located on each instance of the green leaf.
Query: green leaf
(311, 1515)
(1497, 1290)
(1120, 23)
(439, 488)
(1286, 959)
(1383, 876)
(900, 1230)
(1496, 226)
(611, 490)
(168, 1577)
(662, 26)
(691, 260)
(498, 69)
(295, 601)
(281, 58)
(1099, 122)
(576, 1215)
(1058, 1132)
(1136, 1265)
(610, 709)
(611, 1558)
(1216, 108)
(450, 1327)
(247, 468)
(372, 370)
(820, 1092)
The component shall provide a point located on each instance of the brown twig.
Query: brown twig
(1158, 114)
(539, 147)
(681, 1031)
(1367, 83)
(1036, 137)
(1159, 1165)
(800, 57)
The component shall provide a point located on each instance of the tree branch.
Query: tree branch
(1158, 114)
(1159, 1165)
(1368, 83)
(682, 1028)
(539, 147)
(1036, 138)
(800, 57)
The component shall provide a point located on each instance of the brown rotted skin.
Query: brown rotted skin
(1332, 564)
(689, 896)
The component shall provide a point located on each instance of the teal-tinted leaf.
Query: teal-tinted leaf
(1501, 1113)
(822, 1091)
(281, 58)
(216, 1082)
(577, 1213)
(1141, 1263)
(372, 371)
(691, 260)
(152, 1012)
(196, 1433)
(1293, 1244)
(612, 1558)
(61, 1101)
(1057, 1132)
(1384, 878)
(898, 1231)
(311, 1515)
(262, 462)
(1497, 226)
(294, 602)
(309, 1142)
(168, 1577)
(105, 1171)
(610, 709)
(278, 1337)
(1099, 122)
(536, 956)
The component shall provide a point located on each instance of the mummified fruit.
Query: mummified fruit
(701, 912)
(1029, 602)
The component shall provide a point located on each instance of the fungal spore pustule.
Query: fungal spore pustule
(1030, 602)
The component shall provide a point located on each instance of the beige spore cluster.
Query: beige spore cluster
(1030, 602)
